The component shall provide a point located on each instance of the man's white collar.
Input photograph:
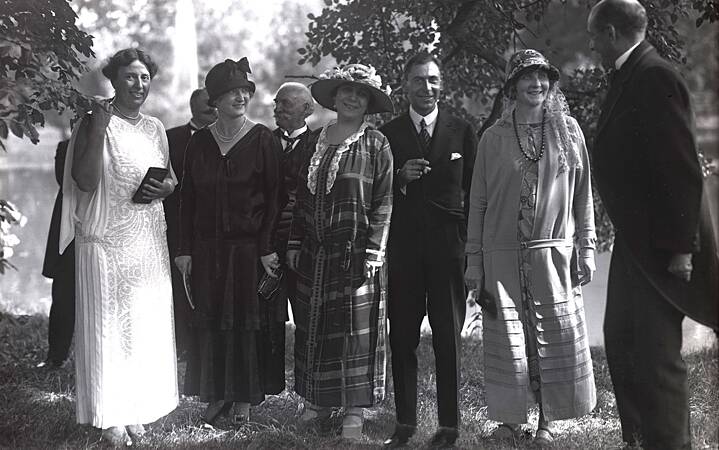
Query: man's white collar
(296, 132)
(428, 119)
(625, 56)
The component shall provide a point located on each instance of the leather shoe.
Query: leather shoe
(401, 436)
(445, 437)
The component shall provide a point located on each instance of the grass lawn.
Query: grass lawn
(37, 407)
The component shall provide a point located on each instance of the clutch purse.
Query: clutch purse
(268, 285)
(156, 173)
(487, 302)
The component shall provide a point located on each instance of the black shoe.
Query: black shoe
(401, 436)
(214, 410)
(53, 364)
(445, 437)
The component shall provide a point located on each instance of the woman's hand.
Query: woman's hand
(271, 263)
(155, 189)
(184, 263)
(293, 257)
(101, 115)
(586, 268)
(680, 265)
(473, 277)
(370, 269)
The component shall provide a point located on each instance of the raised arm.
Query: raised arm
(88, 155)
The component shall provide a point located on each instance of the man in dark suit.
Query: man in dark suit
(61, 268)
(293, 105)
(178, 137)
(433, 155)
(664, 260)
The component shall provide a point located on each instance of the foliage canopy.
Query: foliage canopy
(41, 53)
(472, 39)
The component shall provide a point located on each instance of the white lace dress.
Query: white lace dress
(124, 343)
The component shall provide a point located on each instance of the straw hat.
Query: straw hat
(325, 89)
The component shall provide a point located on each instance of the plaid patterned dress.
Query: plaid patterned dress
(340, 222)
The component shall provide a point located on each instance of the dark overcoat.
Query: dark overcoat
(648, 174)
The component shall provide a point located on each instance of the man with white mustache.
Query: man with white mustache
(293, 105)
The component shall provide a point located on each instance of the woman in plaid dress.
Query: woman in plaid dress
(337, 244)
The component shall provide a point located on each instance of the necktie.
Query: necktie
(289, 141)
(424, 136)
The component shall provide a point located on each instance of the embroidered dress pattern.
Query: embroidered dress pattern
(125, 351)
(525, 225)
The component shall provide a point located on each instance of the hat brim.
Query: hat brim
(230, 86)
(324, 91)
(552, 72)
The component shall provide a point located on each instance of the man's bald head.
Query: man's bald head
(628, 17)
(293, 104)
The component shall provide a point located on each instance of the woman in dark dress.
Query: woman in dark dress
(228, 210)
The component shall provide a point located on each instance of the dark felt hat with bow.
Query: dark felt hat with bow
(226, 76)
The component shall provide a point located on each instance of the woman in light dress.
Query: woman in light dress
(530, 246)
(124, 343)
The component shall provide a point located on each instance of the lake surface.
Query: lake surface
(26, 291)
(33, 191)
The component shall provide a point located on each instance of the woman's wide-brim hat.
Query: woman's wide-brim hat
(325, 88)
(524, 60)
(226, 76)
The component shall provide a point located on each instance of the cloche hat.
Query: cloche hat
(226, 76)
(325, 88)
(527, 59)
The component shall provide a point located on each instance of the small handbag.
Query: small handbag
(268, 285)
(487, 302)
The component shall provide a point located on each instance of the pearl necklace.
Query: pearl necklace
(519, 142)
(137, 116)
(228, 139)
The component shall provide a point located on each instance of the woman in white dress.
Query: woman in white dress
(124, 345)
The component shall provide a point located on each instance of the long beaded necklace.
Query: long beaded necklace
(519, 142)
(228, 139)
(137, 116)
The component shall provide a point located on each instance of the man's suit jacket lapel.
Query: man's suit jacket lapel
(437, 151)
(619, 82)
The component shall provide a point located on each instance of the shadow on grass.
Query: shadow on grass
(37, 407)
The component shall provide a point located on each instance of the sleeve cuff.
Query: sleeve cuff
(294, 244)
(587, 242)
(374, 257)
(475, 259)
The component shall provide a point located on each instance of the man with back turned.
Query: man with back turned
(664, 261)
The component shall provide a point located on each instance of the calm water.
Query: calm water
(26, 291)
(33, 191)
